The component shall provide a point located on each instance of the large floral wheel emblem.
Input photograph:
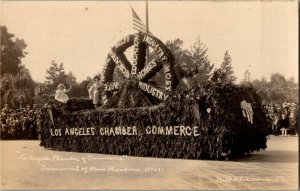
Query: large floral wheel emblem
(138, 72)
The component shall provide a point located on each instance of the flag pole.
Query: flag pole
(147, 30)
(147, 26)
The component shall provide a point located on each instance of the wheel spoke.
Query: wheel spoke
(156, 92)
(121, 63)
(149, 70)
(139, 55)
(112, 86)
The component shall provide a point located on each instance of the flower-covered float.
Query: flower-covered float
(139, 117)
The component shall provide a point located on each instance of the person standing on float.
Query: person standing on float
(94, 91)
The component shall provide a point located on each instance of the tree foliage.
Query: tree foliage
(181, 56)
(81, 90)
(225, 73)
(17, 90)
(56, 75)
(247, 77)
(17, 86)
(12, 51)
(192, 65)
(71, 79)
(277, 90)
(200, 66)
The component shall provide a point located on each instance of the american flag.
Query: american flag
(137, 23)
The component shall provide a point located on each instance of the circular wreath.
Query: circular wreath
(137, 75)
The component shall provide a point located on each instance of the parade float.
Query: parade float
(139, 117)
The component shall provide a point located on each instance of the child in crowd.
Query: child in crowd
(60, 94)
(284, 124)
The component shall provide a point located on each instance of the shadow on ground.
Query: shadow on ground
(270, 157)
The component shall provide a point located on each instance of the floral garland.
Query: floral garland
(221, 133)
(137, 70)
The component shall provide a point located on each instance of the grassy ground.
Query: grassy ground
(26, 165)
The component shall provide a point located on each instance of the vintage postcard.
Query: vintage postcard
(149, 95)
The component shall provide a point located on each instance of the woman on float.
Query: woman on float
(94, 92)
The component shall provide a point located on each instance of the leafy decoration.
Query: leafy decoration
(223, 132)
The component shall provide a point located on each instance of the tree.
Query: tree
(278, 87)
(181, 57)
(200, 65)
(261, 87)
(191, 66)
(17, 86)
(12, 51)
(55, 75)
(71, 79)
(17, 90)
(247, 77)
(81, 89)
(277, 90)
(225, 73)
(292, 93)
(226, 68)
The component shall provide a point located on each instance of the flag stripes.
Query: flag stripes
(139, 28)
(137, 23)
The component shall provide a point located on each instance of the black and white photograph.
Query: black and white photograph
(149, 95)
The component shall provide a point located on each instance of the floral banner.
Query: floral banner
(169, 130)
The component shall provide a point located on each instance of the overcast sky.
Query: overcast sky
(261, 36)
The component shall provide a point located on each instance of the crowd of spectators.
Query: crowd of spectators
(284, 118)
(21, 123)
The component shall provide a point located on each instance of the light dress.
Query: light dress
(61, 96)
(94, 93)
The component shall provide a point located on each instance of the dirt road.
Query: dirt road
(26, 165)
